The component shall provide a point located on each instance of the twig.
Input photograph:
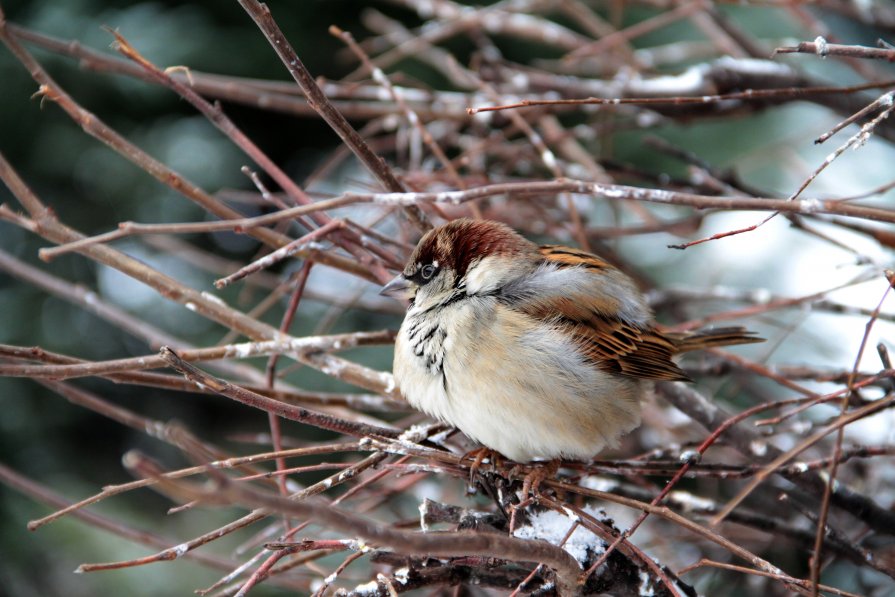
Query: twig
(95, 127)
(249, 398)
(318, 100)
(837, 448)
(457, 544)
(683, 100)
(240, 523)
(851, 417)
(823, 48)
(280, 254)
(741, 569)
(293, 346)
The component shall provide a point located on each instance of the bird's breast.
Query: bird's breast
(428, 347)
(515, 384)
(425, 339)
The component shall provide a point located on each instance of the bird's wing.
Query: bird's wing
(620, 347)
(586, 305)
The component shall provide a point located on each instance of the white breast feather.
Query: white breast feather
(515, 384)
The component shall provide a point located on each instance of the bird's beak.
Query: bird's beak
(399, 288)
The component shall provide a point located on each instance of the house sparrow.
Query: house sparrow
(534, 352)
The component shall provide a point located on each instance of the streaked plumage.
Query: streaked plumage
(536, 352)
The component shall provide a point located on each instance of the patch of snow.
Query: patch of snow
(552, 526)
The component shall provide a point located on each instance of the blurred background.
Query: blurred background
(91, 188)
(69, 449)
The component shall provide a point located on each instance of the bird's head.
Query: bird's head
(462, 257)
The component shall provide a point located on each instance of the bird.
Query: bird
(535, 352)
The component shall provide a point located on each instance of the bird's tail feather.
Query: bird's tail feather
(712, 338)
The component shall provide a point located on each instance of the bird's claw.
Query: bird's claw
(478, 457)
(536, 474)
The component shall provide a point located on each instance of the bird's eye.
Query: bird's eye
(428, 271)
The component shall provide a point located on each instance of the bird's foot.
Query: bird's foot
(535, 474)
(478, 457)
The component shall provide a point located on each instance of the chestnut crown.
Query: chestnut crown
(460, 244)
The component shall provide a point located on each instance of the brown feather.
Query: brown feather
(712, 338)
(567, 256)
(618, 346)
(458, 244)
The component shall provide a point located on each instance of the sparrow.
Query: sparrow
(536, 352)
